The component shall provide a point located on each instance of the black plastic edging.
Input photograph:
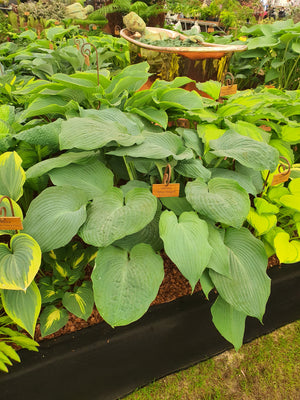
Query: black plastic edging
(101, 363)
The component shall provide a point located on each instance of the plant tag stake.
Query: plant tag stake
(166, 189)
(284, 175)
(9, 223)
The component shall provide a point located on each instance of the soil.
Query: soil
(173, 286)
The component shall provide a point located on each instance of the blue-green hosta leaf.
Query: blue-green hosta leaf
(7, 113)
(191, 140)
(229, 322)
(90, 134)
(241, 179)
(55, 216)
(245, 128)
(94, 178)
(186, 243)
(157, 146)
(48, 104)
(134, 184)
(63, 160)
(43, 135)
(262, 223)
(262, 41)
(221, 200)
(81, 301)
(20, 263)
(219, 260)
(193, 168)
(126, 284)
(52, 319)
(75, 82)
(248, 287)
(23, 307)
(287, 251)
(108, 219)
(160, 117)
(178, 98)
(254, 177)
(206, 283)
(176, 204)
(247, 151)
(283, 148)
(12, 175)
(290, 134)
(148, 235)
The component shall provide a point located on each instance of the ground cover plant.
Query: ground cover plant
(85, 151)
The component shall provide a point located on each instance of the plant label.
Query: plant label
(280, 178)
(226, 90)
(209, 30)
(11, 223)
(166, 190)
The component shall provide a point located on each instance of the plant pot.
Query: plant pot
(104, 363)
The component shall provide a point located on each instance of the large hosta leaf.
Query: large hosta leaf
(44, 135)
(219, 260)
(89, 134)
(249, 152)
(55, 216)
(241, 179)
(186, 243)
(222, 200)
(64, 159)
(193, 168)
(23, 307)
(229, 322)
(94, 178)
(157, 146)
(109, 219)
(19, 263)
(12, 175)
(125, 285)
(178, 98)
(248, 287)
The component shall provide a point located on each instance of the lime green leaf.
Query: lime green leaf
(186, 243)
(247, 151)
(93, 178)
(20, 263)
(264, 207)
(248, 287)
(294, 186)
(23, 307)
(12, 175)
(52, 319)
(291, 201)
(209, 132)
(287, 251)
(290, 134)
(55, 216)
(9, 351)
(159, 117)
(81, 301)
(108, 219)
(262, 223)
(222, 200)
(126, 284)
(229, 322)
(212, 88)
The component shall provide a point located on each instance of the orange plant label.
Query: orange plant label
(280, 178)
(166, 190)
(10, 223)
(87, 60)
(209, 30)
(226, 90)
(266, 128)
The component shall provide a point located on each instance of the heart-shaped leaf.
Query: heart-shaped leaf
(222, 200)
(264, 207)
(12, 175)
(262, 223)
(247, 288)
(20, 263)
(55, 216)
(52, 319)
(108, 219)
(126, 284)
(23, 307)
(287, 251)
(186, 243)
(81, 301)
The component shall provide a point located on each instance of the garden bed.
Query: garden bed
(105, 363)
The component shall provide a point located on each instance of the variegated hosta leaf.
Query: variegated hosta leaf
(287, 251)
(20, 263)
(55, 216)
(229, 322)
(248, 287)
(221, 200)
(186, 243)
(126, 284)
(12, 175)
(81, 301)
(108, 219)
(94, 178)
(262, 223)
(23, 307)
(247, 151)
(89, 134)
(52, 319)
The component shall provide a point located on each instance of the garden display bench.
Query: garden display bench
(101, 363)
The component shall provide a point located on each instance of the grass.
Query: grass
(266, 369)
